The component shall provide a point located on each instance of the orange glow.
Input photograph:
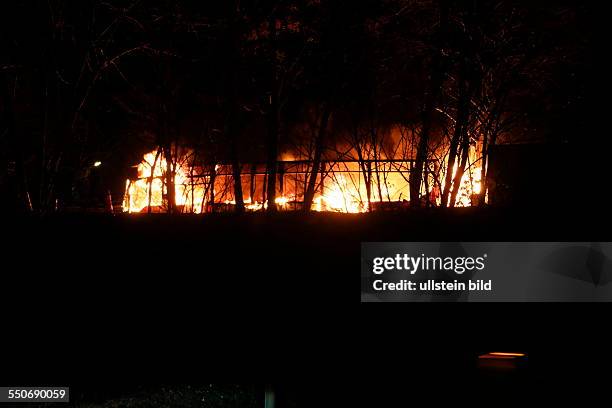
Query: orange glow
(508, 354)
(501, 356)
(150, 187)
(470, 180)
(343, 188)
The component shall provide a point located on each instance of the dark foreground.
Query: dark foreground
(276, 298)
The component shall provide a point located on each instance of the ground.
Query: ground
(277, 296)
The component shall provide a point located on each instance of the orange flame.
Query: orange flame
(343, 190)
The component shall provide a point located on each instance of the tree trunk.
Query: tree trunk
(459, 136)
(233, 119)
(489, 138)
(231, 134)
(271, 165)
(460, 171)
(437, 67)
(150, 181)
(273, 124)
(376, 156)
(366, 169)
(213, 177)
(483, 171)
(170, 172)
(318, 153)
(252, 184)
(237, 176)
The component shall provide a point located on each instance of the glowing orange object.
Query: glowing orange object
(501, 355)
(508, 354)
(343, 189)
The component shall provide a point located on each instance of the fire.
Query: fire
(149, 190)
(343, 188)
(340, 196)
(470, 187)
